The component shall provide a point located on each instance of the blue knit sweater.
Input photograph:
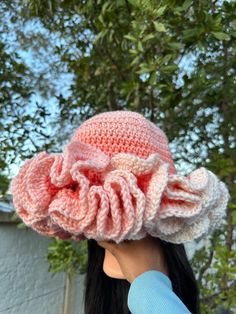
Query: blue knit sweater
(151, 293)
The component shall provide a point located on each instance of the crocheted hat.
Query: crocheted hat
(116, 180)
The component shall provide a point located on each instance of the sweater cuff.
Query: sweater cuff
(140, 283)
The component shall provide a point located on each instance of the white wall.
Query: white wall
(26, 286)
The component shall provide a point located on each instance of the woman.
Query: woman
(116, 182)
(152, 292)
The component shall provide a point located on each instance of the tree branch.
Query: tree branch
(210, 300)
(206, 266)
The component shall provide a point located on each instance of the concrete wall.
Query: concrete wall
(26, 286)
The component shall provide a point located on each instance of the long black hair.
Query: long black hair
(104, 294)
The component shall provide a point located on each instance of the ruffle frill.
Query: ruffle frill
(83, 193)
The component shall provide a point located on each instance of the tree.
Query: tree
(130, 54)
(22, 120)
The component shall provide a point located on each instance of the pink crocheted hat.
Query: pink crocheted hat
(116, 180)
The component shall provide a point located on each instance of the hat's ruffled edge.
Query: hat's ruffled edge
(83, 193)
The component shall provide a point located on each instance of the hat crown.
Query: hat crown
(124, 132)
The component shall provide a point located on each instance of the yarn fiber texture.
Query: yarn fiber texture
(116, 180)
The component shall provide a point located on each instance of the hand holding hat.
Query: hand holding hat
(134, 257)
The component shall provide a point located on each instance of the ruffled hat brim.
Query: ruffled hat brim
(84, 194)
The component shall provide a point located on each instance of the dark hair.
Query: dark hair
(104, 294)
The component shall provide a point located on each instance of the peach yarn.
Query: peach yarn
(116, 180)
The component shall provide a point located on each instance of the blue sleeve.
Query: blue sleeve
(151, 293)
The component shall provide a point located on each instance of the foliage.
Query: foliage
(173, 61)
(22, 120)
(67, 256)
(4, 183)
(215, 269)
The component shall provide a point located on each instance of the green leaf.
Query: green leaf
(159, 27)
(234, 218)
(221, 36)
(133, 51)
(166, 58)
(192, 32)
(186, 4)
(130, 37)
(160, 11)
(175, 45)
(152, 79)
(233, 24)
(184, 7)
(216, 23)
(148, 37)
(101, 35)
(100, 18)
(140, 46)
(135, 61)
(106, 6)
(233, 33)
(169, 68)
(98, 71)
(145, 68)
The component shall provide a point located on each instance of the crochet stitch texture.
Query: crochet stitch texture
(116, 180)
